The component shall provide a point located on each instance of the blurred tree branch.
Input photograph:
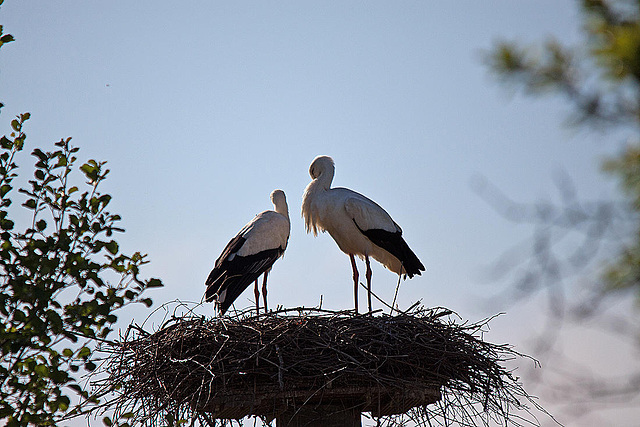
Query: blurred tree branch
(593, 243)
(602, 83)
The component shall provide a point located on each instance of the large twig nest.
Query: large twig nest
(232, 367)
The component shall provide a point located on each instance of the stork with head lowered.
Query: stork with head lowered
(358, 225)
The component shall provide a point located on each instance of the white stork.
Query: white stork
(249, 254)
(357, 224)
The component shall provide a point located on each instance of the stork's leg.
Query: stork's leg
(368, 275)
(355, 280)
(256, 292)
(264, 290)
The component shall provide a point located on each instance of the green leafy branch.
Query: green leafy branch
(62, 281)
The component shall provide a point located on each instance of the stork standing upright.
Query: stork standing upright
(357, 224)
(249, 254)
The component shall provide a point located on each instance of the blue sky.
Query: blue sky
(202, 108)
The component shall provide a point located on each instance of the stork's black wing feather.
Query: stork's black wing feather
(393, 243)
(216, 276)
(232, 276)
(232, 247)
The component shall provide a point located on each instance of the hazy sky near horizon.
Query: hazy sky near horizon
(202, 108)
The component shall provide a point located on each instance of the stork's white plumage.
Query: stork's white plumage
(357, 224)
(249, 254)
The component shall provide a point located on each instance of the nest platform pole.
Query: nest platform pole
(331, 415)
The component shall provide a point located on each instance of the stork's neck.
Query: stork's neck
(282, 208)
(323, 181)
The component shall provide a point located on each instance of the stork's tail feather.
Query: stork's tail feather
(393, 243)
(214, 283)
(231, 289)
(410, 262)
(224, 289)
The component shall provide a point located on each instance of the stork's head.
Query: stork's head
(320, 165)
(278, 197)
